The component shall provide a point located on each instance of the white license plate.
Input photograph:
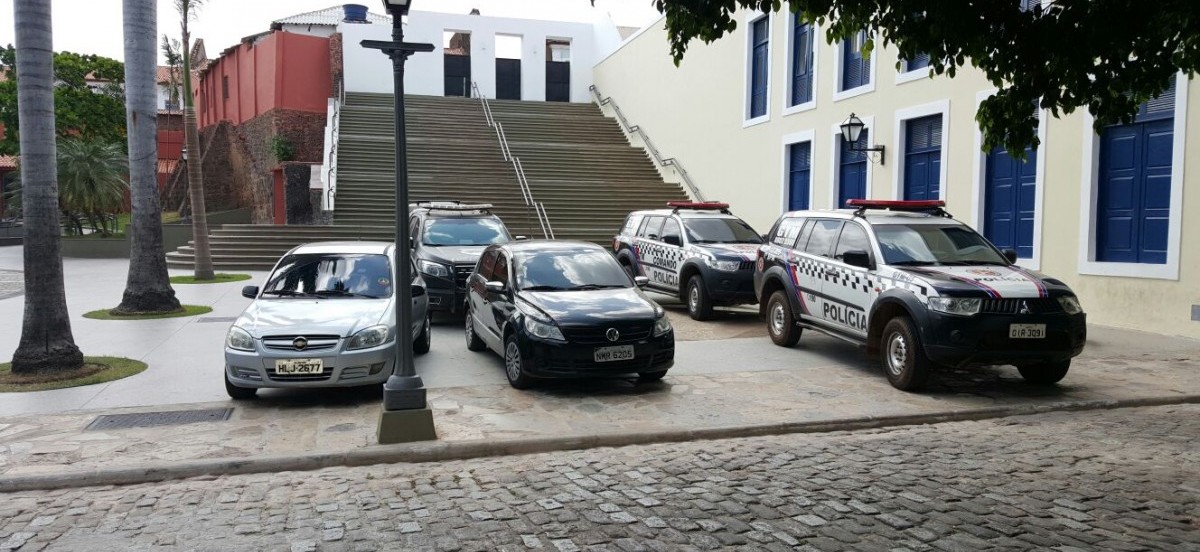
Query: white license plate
(613, 354)
(1026, 331)
(299, 367)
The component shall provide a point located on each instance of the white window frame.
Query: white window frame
(902, 118)
(814, 32)
(905, 75)
(807, 135)
(835, 162)
(1090, 195)
(979, 178)
(749, 21)
(839, 95)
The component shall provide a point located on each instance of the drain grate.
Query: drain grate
(210, 319)
(155, 419)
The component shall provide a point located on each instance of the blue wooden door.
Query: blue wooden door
(1009, 201)
(923, 158)
(799, 175)
(1133, 204)
(852, 171)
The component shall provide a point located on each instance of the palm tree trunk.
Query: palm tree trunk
(46, 342)
(191, 135)
(148, 286)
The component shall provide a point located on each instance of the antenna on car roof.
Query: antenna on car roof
(933, 207)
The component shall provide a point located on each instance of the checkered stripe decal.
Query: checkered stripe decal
(647, 250)
(846, 277)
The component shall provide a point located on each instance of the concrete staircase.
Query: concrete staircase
(577, 161)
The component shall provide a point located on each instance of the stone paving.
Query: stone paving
(1125, 479)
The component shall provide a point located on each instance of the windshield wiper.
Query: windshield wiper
(541, 288)
(589, 287)
(284, 293)
(342, 293)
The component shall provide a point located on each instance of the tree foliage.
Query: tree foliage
(79, 110)
(91, 184)
(1106, 55)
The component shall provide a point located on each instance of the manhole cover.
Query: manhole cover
(154, 419)
(210, 319)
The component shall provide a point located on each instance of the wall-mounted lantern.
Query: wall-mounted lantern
(851, 130)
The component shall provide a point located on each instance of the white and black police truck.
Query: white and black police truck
(918, 289)
(696, 251)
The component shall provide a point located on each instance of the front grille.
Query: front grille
(617, 367)
(287, 342)
(461, 273)
(746, 265)
(597, 335)
(1013, 306)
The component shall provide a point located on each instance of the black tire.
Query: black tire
(781, 324)
(474, 343)
(1046, 373)
(514, 364)
(648, 377)
(699, 304)
(902, 355)
(239, 393)
(425, 338)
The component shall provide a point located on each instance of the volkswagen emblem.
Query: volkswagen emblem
(612, 334)
(1024, 308)
(300, 343)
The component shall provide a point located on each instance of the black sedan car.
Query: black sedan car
(560, 309)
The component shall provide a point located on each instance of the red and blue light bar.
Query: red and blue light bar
(933, 206)
(699, 205)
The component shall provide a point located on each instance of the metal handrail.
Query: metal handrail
(331, 171)
(636, 129)
(538, 208)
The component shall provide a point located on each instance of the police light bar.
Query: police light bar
(453, 206)
(932, 206)
(699, 205)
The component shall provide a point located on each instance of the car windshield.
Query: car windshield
(464, 231)
(719, 230)
(935, 244)
(569, 270)
(332, 275)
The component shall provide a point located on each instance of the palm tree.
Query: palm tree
(91, 181)
(148, 286)
(191, 136)
(46, 343)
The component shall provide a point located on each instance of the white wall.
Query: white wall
(370, 71)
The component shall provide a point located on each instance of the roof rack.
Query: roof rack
(699, 206)
(453, 206)
(935, 207)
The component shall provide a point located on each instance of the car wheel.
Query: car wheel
(239, 393)
(1045, 373)
(514, 364)
(780, 322)
(699, 305)
(647, 377)
(425, 338)
(474, 343)
(903, 357)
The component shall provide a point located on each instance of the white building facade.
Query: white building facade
(755, 119)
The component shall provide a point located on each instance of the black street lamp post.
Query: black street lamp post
(406, 416)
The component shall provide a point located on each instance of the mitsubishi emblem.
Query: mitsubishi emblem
(300, 343)
(1024, 309)
(612, 334)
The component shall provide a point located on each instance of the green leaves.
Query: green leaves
(1106, 55)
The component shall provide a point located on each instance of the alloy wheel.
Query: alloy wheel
(777, 319)
(512, 361)
(693, 298)
(470, 328)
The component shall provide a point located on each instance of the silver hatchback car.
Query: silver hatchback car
(325, 318)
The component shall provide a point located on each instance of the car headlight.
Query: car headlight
(727, 266)
(543, 330)
(239, 339)
(661, 326)
(434, 269)
(955, 305)
(1070, 304)
(369, 337)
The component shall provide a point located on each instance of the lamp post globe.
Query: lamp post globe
(852, 128)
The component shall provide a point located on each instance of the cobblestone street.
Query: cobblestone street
(1126, 479)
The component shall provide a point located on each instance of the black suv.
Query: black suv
(447, 239)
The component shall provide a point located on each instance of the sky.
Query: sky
(94, 26)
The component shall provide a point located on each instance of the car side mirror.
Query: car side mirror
(641, 281)
(857, 258)
(418, 290)
(250, 292)
(495, 287)
(1010, 254)
(672, 240)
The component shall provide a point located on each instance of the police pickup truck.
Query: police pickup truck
(698, 252)
(918, 289)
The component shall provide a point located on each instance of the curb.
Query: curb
(465, 450)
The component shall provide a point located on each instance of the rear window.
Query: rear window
(786, 234)
(631, 225)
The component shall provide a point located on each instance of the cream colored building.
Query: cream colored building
(1109, 214)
